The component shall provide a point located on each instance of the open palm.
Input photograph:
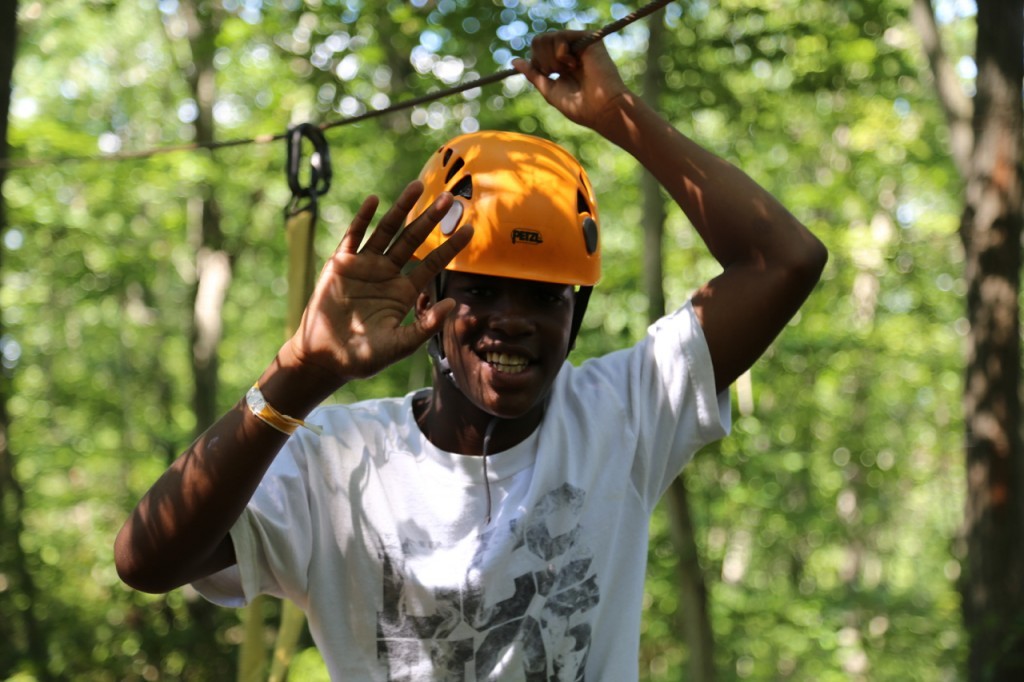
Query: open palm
(352, 326)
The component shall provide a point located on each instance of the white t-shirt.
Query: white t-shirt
(381, 538)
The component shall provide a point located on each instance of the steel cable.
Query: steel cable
(577, 47)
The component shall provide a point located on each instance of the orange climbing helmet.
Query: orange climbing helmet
(530, 204)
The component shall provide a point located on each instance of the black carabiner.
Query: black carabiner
(319, 167)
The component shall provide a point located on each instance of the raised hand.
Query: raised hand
(352, 326)
(588, 85)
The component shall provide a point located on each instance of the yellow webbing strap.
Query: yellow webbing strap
(300, 229)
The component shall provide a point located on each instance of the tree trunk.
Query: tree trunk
(693, 592)
(696, 621)
(993, 586)
(23, 639)
(213, 262)
(991, 129)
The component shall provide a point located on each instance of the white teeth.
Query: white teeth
(503, 362)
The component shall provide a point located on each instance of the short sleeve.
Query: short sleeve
(666, 386)
(687, 411)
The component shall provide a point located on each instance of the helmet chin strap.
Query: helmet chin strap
(444, 368)
(440, 361)
(578, 310)
(434, 346)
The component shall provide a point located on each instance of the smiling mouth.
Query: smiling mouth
(503, 362)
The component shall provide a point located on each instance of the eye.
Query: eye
(480, 291)
(551, 295)
(548, 297)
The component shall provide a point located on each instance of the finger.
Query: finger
(393, 220)
(572, 37)
(412, 236)
(407, 338)
(552, 52)
(542, 53)
(542, 83)
(526, 68)
(432, 320)
(563, 54)
(353, 236)
(438, 259)
(595, 55)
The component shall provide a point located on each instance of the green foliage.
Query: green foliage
(827, 521)
(308, 665)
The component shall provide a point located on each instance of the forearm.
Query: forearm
(739, 220)
(179, 530)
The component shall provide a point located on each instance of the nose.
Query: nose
(512, 315)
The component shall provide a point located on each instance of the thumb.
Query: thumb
(431, 320)
(407, 338)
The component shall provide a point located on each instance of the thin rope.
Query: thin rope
(577, 47)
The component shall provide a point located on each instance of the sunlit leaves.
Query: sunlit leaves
(825, 520)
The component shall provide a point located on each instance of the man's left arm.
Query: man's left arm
(770, 261)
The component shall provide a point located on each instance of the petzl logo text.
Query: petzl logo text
(526, 237)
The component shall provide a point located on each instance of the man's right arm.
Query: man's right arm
(179, 531)
(351, 329)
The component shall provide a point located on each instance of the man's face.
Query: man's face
(506, 340)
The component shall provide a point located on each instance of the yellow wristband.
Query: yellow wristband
(259, 406)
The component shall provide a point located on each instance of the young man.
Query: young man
(495, 525)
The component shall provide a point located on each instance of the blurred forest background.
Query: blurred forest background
(824, 540)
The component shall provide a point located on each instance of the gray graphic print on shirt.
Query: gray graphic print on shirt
(527, 621)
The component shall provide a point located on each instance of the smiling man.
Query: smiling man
(520, 287)
(494, 525)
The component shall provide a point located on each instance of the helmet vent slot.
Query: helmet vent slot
(456, 167)
(447, 155)
(582, 205)
(464, 187)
